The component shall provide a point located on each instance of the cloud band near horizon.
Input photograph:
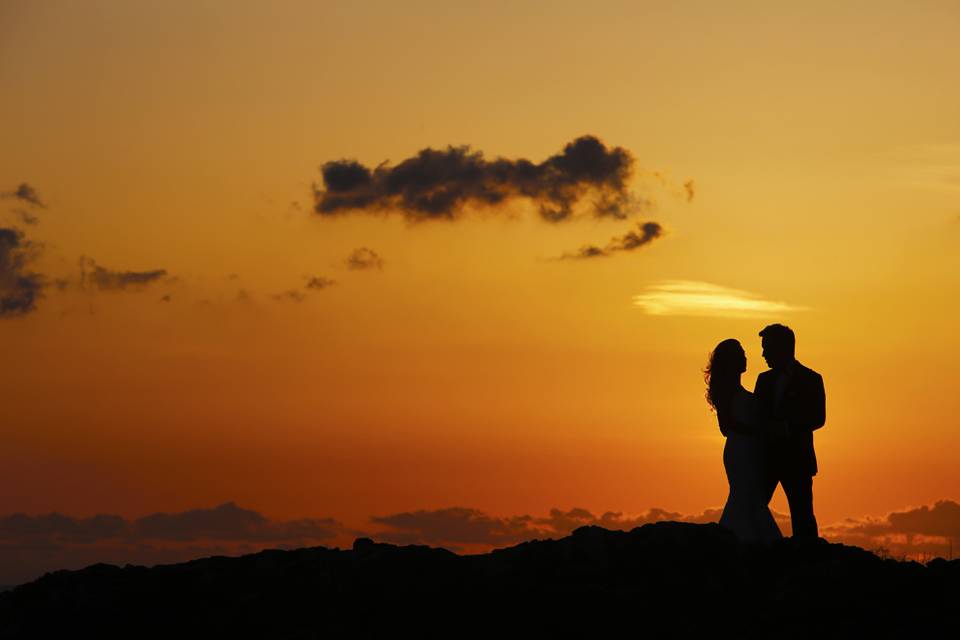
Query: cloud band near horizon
(31, 545)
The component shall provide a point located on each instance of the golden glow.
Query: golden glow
(473, 370)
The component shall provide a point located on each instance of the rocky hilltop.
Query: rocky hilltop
(667, 579)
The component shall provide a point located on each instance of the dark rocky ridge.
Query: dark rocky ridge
(666, 579)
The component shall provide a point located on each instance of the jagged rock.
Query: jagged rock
(664, 579)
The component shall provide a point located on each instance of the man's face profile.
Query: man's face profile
(774, 353)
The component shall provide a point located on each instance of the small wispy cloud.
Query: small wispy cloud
(320, 282)
(364, 258)
(646, 233)
(692, 298)
(94, 275)
(25, 193)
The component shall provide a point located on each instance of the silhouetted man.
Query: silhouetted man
(792, 396)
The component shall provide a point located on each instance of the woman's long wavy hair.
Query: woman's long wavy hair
(722, 374)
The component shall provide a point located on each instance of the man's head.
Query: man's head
(778, 345)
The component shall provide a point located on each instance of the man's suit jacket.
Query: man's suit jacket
(803, 407)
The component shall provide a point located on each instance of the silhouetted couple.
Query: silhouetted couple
(769, 434)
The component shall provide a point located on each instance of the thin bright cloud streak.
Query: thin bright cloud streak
(691, 298)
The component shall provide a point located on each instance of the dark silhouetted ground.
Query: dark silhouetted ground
(666, 579)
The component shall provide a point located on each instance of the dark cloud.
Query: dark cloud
(440, 184)
(228, 522)
(320, 282)
(561, 523)
(925, 530)
(224, 522)
(689, 187)
(942, 520)
(461, 527)
(19, 288)
(165, 298)
(646, 233)
(454, 526)
(649, 231)
(364, 258)
(25, 193)
(94, 276)
(31, 545)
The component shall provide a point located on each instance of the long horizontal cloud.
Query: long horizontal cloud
(31, 545)
(691, 298)
(922, 531)
(461, 528)
(454, 525)
(645, 233)
(230, 522)
(440, 184)
(93, 275)
(20, 288)
(224, 522)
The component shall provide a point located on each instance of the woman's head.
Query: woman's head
(722, 374)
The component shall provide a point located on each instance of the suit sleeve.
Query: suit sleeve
(812, 413)
(758, 384)
(762, 392)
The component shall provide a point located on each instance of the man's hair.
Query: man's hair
(780, 334)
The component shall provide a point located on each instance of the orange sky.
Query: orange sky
(472, 370)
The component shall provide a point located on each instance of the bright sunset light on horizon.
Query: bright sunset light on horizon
(239, 311)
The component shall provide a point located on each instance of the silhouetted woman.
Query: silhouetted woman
(746, 512)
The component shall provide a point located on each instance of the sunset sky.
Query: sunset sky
(802, 161)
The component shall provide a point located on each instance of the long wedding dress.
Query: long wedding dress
(746, 512)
